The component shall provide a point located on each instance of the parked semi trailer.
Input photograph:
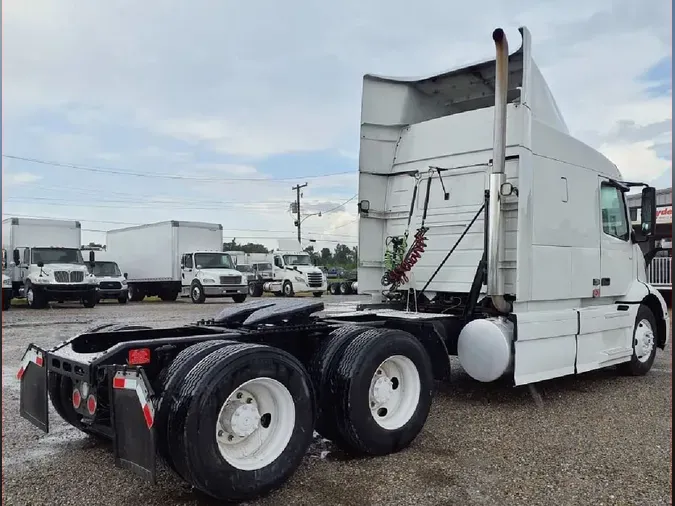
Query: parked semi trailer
(519, 259)
(172, 258)
(47, 264)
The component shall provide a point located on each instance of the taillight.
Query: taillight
(139, 356)
(91, 404)
(77, 398)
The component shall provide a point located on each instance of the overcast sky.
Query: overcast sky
(184, 105)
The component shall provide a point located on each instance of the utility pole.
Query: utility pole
(297, 209)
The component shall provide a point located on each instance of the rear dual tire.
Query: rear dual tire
(374, 388)
(237, 395)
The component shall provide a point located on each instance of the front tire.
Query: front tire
(197, 293)
(35, 298)
(242, 421)
(122, 300)
(644, 344)
(288, 289)
(6, 303)
(255, 289)
(317, 294)
(382, 387)
(90, 300)
(239, 298)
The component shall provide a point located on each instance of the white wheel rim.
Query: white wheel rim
(287, 289)
(394, 392)
(29, 296)
(255, 424)
(196, 292)
(643, 340)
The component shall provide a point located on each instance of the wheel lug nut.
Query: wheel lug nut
(230, 437)
(249, 400)
(239, 395)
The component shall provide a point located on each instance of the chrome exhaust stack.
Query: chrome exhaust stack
(495, 277)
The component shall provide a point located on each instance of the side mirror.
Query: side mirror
(40, 264)
(648, 211)
(126, 275)
(17, 257)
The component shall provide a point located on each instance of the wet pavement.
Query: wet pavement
(595, 439)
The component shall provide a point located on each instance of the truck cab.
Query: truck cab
(211, 274)
(111, 282)
(46, 273)
(6, 284)
(293, 272)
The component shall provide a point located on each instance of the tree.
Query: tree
(251, 247)
(326, 256)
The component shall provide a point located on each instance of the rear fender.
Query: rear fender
(33, 396)
(132, 412)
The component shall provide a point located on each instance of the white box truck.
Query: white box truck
(47, 263)
(550, 282)
(169, 258)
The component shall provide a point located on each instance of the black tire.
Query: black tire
(239, 298)
(287, 288)
(38, 298)
(278, 294)
(345, 288)
(197, 293)
(60, 390)
(358, 431)
(255, 290)
(90, 300)
(122, 300)
(135, 294)
(170, 381)
(6, 304)
(317, 294)
(333, 288)
(193, 417)
(636, 366)
(321, 367)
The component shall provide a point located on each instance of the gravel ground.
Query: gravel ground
(591, 440)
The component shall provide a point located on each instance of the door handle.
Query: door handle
(604, 281)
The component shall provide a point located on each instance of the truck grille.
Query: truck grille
(314, 279)
(61, 276)
(110, 285)
(69, 277)
(230, 280)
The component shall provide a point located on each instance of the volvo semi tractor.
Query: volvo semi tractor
(47, 263)
(173, 258)
(486, 231)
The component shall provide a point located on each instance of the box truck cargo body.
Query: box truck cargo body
(47, 264)
(169, 258)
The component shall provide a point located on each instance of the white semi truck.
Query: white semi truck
(292, 273)
(505, 242)
(47, 264)
(172, 258)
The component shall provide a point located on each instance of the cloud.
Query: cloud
(271, 90)
(19, 178)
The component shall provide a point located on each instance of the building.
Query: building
(660, 270)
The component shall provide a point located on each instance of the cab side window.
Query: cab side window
(188, 261)
(26, 256)
(277, 262)
(614, 216)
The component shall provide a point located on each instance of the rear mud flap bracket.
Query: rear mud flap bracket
(132, 415)
(33, 397)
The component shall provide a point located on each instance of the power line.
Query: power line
(110, 170)
(130, 223)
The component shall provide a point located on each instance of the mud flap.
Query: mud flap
(132, 415)
(33, 397)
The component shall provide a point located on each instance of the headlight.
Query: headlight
(208, 281)
(124, 282)
(299, 279)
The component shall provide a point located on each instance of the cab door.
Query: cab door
(186, 270)
(278, 268)
(616, 247)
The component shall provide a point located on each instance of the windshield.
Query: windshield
(244, 268)
(56, 256)
(213, 261)
(102, 269)
(264, 267)
(297, 260)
